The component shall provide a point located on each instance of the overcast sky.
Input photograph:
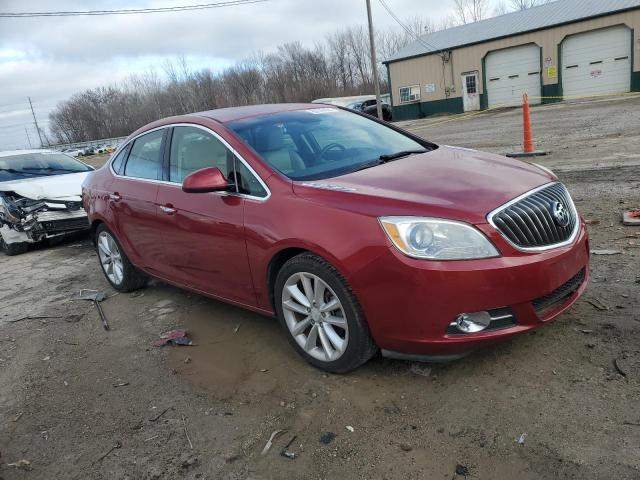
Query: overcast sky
(51, 58)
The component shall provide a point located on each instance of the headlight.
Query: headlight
(437, 239)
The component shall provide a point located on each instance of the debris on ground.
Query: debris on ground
(327, 437)
(21, 464)
(121, 384)
(350, 428)
(631, 217)
(422, 370)
(189, 462)
(606, 252)
(586, 331)
(597, 304)
(35, 317)
(405, 447)
(235, 330)
(157, 417)
(115, 447)
(521, 438)
(187, 360)
(269, 443)
(619, 369)
(285, 451)
(592, 222)
(96, 296)
(17, 417)
(186, 432)
(462, 470)
(173, 337)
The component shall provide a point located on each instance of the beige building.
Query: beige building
(564, 49)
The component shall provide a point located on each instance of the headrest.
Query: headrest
(269, 138)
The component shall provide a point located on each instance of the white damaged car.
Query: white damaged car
(40, 197)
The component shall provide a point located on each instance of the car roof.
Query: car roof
(224, 115)
(8, 153)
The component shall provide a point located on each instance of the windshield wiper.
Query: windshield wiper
(53, 169)
(395, 156)
(388, 158)
(13, 170)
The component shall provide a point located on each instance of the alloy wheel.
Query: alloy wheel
(110, 258)
(315, 316)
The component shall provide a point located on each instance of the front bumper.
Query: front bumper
(409, 303)
(45, 224)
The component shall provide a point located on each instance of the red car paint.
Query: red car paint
(223, 246)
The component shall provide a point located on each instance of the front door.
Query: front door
(470, 96)
(203, 233)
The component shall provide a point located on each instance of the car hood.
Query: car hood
(61, 187)
(448, 182)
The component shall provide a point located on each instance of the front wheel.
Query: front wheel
(321, 316)
(120, 272)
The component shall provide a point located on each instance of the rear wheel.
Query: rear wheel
(321, 316)
(120, 273)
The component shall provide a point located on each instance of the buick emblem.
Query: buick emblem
(560, 214)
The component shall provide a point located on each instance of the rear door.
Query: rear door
(133, 200)
(203, 233)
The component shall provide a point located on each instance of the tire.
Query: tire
(115, 265)
(13, 249)
(357, 345)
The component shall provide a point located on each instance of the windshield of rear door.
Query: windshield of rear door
(38, 164)
(321, 143)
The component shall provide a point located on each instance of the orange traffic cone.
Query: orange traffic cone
(527, 142)
(526, 126)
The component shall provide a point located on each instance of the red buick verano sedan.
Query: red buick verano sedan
(358, 235)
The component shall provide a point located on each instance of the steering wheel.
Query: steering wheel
(329, 147)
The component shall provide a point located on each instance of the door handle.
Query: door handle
(168, 209)
(115, 197)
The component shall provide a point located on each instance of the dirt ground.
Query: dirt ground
(78, 402)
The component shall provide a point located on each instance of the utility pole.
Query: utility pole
(28, 137)
(374, 63)
(36, 122)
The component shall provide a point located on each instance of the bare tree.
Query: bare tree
(468, 11)
(501, 8)
(526, 4)
(338, 66)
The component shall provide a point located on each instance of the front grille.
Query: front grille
(560, 294)
(536, 221)
(68, 225)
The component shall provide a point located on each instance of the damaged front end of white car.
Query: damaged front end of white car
(40, 197)
(24, 220)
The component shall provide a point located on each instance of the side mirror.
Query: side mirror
(206, 180)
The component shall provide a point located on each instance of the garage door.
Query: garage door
(512, 72)
(597, 62)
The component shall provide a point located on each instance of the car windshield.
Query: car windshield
(322, 143)
(38, 164)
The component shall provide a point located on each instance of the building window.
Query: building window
(409, 94)
(471, 84)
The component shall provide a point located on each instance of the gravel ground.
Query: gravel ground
(79, 402)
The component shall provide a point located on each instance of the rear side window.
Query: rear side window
(117, 162)
(145, 159)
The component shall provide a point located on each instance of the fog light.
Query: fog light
(472, 322)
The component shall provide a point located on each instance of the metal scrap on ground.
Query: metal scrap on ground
(173, 337)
